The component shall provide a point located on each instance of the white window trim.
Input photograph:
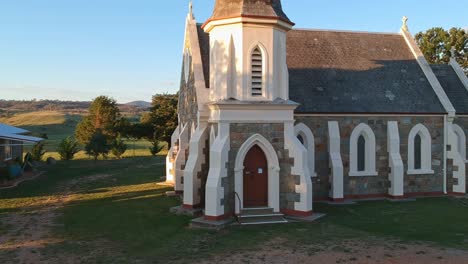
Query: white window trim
(8, 151)
(309, 144)
(366, 131)
(461, 141)
(426, 151)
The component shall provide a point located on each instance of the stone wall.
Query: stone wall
(359, 187)
(188, 106)
(274, 133)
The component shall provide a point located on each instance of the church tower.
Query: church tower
(255, 152)
(248, 50)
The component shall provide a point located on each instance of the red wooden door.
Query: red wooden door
(255, 178)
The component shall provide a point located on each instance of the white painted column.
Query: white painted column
(395, 162)
(459, 170)
(181, 159)
(298, 152)
(219, 155)
(336, 163)
(170, 158)
(194, 166)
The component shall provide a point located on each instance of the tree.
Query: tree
(156, 147)
(162, 119)
(104, 115)
(98, 145)
(436, 45)
(38, 151)
(67, 148)
(118, 147)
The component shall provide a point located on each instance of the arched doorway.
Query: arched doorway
(255, 178)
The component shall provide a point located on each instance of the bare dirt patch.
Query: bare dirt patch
(352, 251)
(29, 230)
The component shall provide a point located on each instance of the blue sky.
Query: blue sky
(131, 49)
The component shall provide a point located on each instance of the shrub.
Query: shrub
(118, 147)
(68, 148)
(98, 145)
(38, 151)
(156, 147)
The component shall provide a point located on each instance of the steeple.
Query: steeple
(190, 14)
(249, 8)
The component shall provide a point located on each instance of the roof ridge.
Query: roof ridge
(346, 31)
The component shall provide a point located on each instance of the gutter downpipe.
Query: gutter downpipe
(445, 153)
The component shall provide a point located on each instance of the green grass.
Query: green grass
(58, 126)
(128, 214)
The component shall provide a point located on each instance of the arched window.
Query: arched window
(419, 151)
(362, 152)
(257, 72)
(306, 137)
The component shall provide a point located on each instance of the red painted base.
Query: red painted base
(296, 213)
(457, 194)
(218, 218)
(179, 192)
(189, 206)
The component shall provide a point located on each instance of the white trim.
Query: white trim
(369, 136)
(336, 162)
(273, 171)
(364, 114)
(309, 144)
(431, 77)
(461, 140)
(280, 24)
(219, 156)
(395, 161)
(459, 71)
(193, 166)
(426, 150)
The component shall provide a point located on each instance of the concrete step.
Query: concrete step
(261, 216)
(257, 211)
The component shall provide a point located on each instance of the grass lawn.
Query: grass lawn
(114, 212)
(58, 126)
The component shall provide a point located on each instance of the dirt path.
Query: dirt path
(359, 252)
(29, 230)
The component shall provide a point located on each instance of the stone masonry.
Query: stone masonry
(374, 186)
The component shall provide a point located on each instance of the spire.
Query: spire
(404, 27)
(190, 14)
(249, 8)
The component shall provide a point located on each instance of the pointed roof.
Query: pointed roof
(249, 8)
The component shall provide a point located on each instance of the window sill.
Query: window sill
(420, 172)
(363, 173)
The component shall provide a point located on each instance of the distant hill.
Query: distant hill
(141, 104)
(8, 108)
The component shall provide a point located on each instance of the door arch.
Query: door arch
(272, 167)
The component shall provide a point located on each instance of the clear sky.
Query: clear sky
(132, 49)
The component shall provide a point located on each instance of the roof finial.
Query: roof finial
(453, 52)
(191, 10)
(405, 23)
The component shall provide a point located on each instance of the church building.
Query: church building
(272, 118)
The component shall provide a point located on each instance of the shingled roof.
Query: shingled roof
(249, 8)
(352, 72)
(453, 87)
(355, 72)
